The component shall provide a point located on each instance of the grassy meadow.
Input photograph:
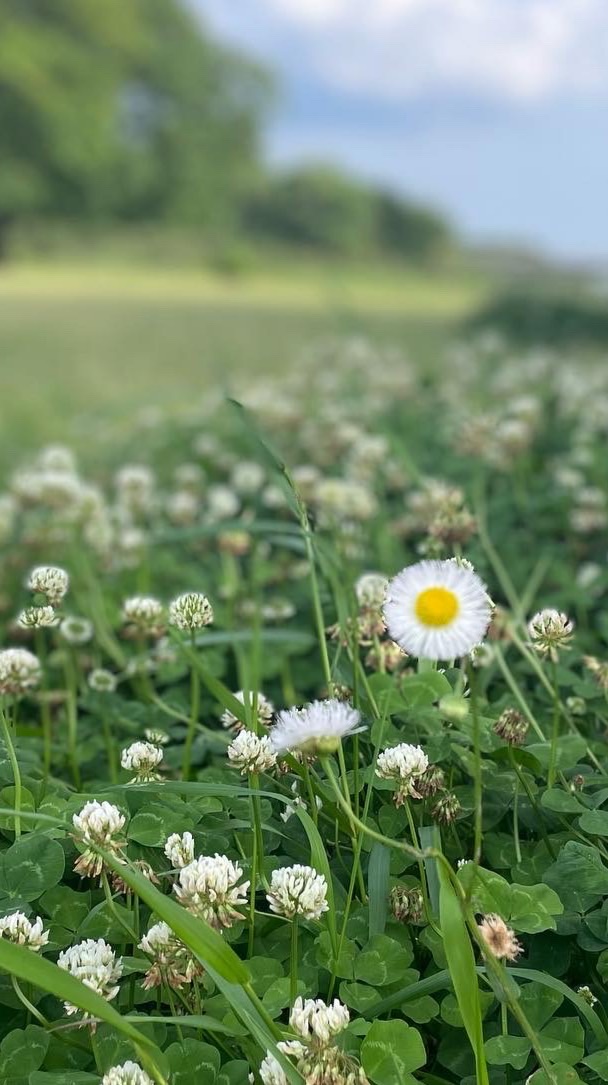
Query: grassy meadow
(303, 771)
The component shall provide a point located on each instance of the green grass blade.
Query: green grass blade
(319, 860)
(377, 887)
(461, 963)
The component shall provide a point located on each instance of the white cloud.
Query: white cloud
(519, 50)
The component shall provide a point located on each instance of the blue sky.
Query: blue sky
(496, 111)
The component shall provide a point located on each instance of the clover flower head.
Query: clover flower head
(143, 759)
(404, 764)
(317, 1022)
(190, 611)
(20, 671)
(129, 1073)
(251, 753)
(143, 614)
(265, 710)
(98, 824)
(50, 581)
(17, 928)
(102, 681)
(550, 632)
(95, 964)
(76, 630)
(209, 887)
(172, 962)
(298, 891)
(179, 849)
(37, 618)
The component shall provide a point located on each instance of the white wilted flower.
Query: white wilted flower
(172, 962)
(94, 963)
(209, 887)
(143, 759)
(102, 681)
(37, 618)
(251, 753)
(437, 609)
(75, 630)
(101, 824)
(404, 764)
(20, 671)
(127, 1074)
(50, 581)
(265, 711)
(318, 727)
(315, 1021)
(550, 632)
(499, 938)
(143, 614)
(17, 928)
(190, 611)
(179, 849)
(298, 891)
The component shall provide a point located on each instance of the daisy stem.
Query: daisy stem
(477, 781)
(314, 813)
(195, 700)
(293, 968)
(10, 749)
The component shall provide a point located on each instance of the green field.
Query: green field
(96, 341)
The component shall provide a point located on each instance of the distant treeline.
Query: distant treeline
(128, 111)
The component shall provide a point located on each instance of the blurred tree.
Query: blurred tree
(122, 108)
(321, 208)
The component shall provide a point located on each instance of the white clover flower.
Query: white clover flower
(97, 824)
(297, 891)
(50, 581)
(251, 753)
(437, 609)
(94, 963)
(208, 887)
(550, 631)
(183, 507)
(587, 994)
(172, 961)
(142, 758)
(190, 611)
(222, 503)
(370, 589)
(58, 458)
(179, 849)
(17, 928)
(271, 1071)
(314, 1020)
(37, 618)
(20, 671)
(247, 477)
(102, 681)
(265, 711)
(127, 1074)
(76, 630)
(143, 613)
(319, 727)
(404, 764)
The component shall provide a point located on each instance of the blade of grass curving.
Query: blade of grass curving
(377, 887)
(461, 963)
(26, 965)
(265, 450)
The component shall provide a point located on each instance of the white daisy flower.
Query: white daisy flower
(318, 727)
(437, 609)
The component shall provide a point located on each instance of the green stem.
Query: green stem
(477, 781)
(421, 871)
(72, 718)
(195, 700)
(293, 968)
(31, 1009)
(554, 732)
(10, 749)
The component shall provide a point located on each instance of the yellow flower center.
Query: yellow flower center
(436, 606)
